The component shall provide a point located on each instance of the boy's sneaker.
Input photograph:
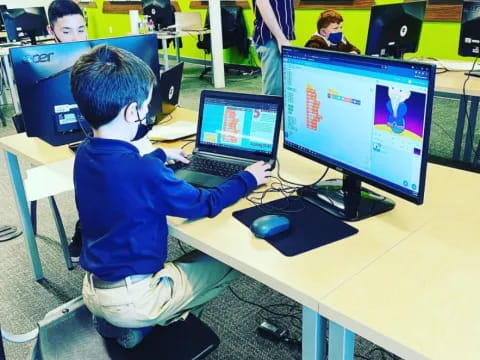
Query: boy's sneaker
(130, 338)
(75, 249)
(126, 338)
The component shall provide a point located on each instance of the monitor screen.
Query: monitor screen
(366, 117)
(25, 23)
(42, 74)
(469, 43)
(395, 29)
(239, 122)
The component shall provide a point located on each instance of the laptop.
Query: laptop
(188, 21)
(169, 84)
(234, 130)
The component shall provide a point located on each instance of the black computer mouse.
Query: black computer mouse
(268, 225)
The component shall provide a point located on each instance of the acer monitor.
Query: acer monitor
(42, 74)
(469, 43)
(25, 23)
(395, 29)
(368, 118)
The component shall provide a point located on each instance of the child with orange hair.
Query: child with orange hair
(329, 34)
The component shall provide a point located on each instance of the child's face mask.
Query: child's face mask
(333, 32)
(335, 37)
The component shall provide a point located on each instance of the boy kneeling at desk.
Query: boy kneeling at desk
(123, 199)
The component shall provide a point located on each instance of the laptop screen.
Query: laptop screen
(248, 123)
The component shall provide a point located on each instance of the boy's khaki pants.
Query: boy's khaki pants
(182, 286)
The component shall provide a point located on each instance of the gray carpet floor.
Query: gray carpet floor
(24, 301)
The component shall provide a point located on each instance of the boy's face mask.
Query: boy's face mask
(335, 37)
(333, 32)
(143, 128)
(142, 131)
(143, 124)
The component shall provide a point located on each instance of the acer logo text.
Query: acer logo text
(38, 58)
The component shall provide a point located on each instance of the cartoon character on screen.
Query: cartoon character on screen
(397, 109)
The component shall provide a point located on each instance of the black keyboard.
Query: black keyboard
(209, 166)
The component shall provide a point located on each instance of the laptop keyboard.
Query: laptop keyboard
(210, 166)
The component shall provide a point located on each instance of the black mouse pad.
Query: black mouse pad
(310, 226)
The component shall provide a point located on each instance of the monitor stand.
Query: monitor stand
(346, 198)
(475, 73)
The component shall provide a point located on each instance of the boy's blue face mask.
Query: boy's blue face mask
(335, 37)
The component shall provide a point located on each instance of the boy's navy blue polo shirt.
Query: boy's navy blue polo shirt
(123, 200)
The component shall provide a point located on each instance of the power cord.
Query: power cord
(272, 329)
(294, 204)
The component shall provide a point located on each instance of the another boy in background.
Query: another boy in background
(67, 22)
(124, 198)
(329, 35)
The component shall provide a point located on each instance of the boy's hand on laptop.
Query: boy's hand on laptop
(176, 155)
(261, 171)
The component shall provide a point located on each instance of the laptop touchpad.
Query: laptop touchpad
(199, 179)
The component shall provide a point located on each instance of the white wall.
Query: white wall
(25, 3)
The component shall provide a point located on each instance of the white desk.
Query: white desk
(452, 82)
(165, 36)
(421, 299)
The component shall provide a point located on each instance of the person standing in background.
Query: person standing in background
(274, 28)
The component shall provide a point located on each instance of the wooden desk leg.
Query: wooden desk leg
(341, 342)
(165, 53)
(471, 125)
(314, 335)
(22, 205)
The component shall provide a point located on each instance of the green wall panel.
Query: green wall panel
(439, 39)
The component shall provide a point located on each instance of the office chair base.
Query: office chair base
(9, 232)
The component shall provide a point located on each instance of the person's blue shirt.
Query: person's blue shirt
(123, 200)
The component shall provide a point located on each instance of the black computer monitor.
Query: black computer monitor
(395, 29)
(42, 74)
(160, 11)
(2, 8)
(368, 118)
(469, 43)
(26, 23)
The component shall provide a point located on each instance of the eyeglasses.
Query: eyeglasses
(141, 120)
(138, 115)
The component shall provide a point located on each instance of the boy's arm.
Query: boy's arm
(316, 42)
(178, 198)
(351, 47)
(268, 16)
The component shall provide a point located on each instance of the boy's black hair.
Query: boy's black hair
(60, 8)
(106, 79)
